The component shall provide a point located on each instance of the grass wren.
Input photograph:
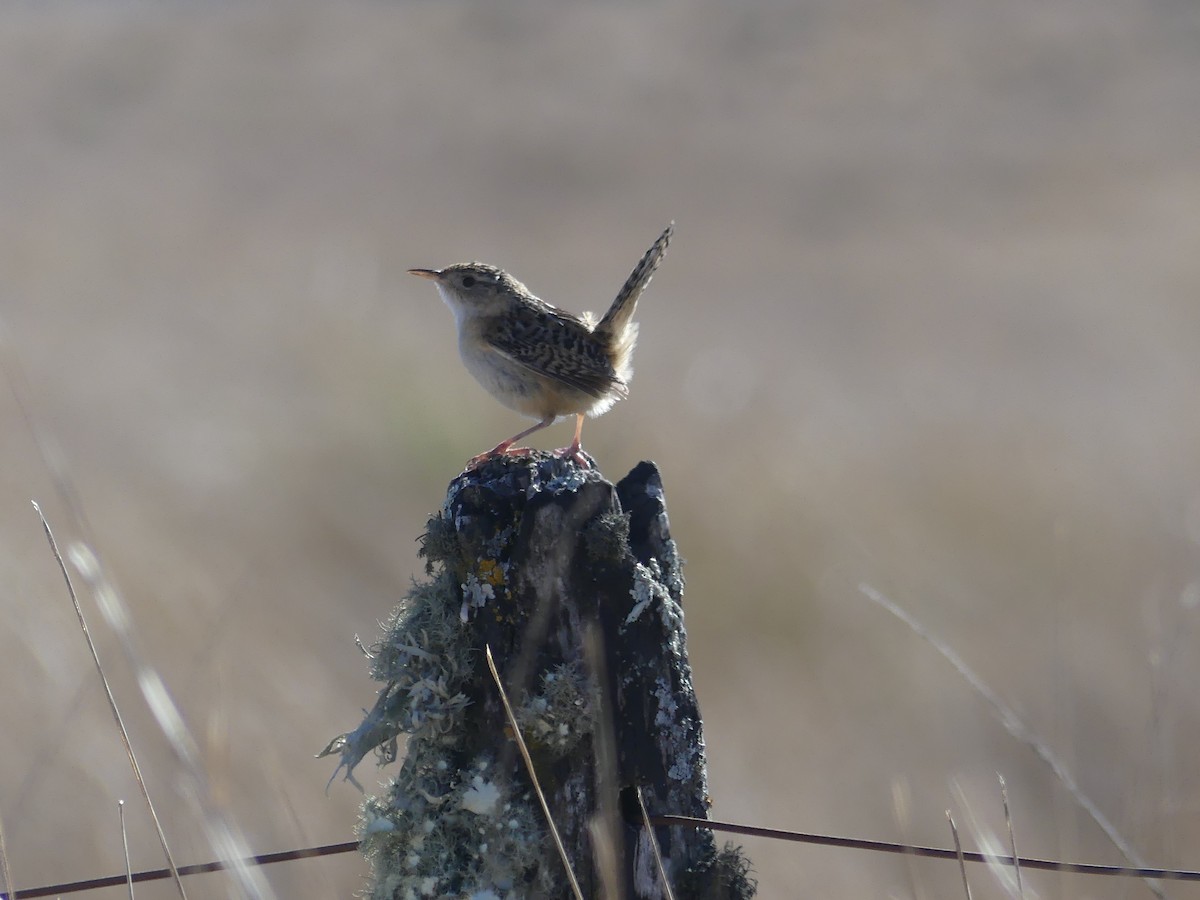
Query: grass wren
(537, 359)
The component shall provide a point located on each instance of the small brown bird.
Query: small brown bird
(542, 361)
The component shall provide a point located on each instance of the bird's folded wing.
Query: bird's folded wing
(557, 348)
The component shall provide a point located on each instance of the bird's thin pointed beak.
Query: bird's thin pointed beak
(431, 274)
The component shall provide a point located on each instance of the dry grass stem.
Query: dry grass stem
(125, 845)
(537, 788)
(962, 863)
(1017, 728)
(1012, 837)
(901, 809)
(112, 704)
(662, 872)
(4, 870)
(605, 827)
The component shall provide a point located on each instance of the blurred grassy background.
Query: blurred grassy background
(930, 322)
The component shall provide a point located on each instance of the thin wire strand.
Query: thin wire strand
(826, 840)
(799, 837)
(263, 859)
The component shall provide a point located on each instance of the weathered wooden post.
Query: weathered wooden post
(575, 585)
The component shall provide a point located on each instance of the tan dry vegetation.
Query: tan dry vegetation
(930, 322)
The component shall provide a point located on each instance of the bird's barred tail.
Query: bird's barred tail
(623, 307)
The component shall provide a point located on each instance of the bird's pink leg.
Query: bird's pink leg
(506, 448)
(575, 451)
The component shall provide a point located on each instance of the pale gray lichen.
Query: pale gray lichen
(457, 820)
(562, 714)
(473, 838)
(668, 709)
(570, 480)
(500, 541)
(475, 594)
(647, 588)
(424, 665)
(683, 769)
(445, 826)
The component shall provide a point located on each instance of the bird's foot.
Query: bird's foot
(504, 448)
(575, 453)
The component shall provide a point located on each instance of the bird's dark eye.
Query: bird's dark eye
(468, 281)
